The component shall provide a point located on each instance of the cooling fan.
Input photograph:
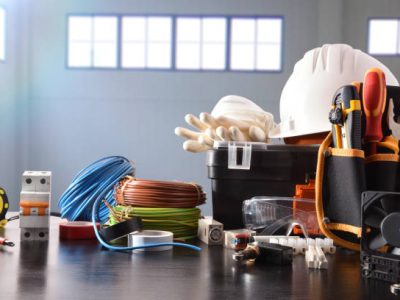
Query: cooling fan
(380, 240)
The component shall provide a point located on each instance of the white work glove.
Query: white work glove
(234, 118)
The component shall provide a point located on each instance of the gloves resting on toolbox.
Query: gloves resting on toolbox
(234, 118)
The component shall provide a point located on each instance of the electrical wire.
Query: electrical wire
(77, 201)
(95, 209)
(83, 198)
(182, 222)
(154, 193)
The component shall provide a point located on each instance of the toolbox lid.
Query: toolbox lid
(240, 153)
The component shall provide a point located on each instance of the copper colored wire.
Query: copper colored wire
(154, 193)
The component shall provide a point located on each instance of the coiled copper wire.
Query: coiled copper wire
(153, 193)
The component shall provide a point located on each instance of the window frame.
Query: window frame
(174, 18)
(4, 59)
(172, 48)
(92, 67)
(397, 54)
(256, 18)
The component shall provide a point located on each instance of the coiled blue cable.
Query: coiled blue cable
(77, 201)
(83, 198)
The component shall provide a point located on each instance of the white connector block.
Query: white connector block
(315, 258)
(298, 244)
(36, 181)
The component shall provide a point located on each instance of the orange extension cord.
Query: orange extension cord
(153, 193)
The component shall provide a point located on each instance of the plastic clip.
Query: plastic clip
(233, 156)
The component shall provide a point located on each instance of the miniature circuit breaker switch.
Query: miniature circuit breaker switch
(35, 199)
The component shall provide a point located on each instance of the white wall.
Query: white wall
(12, 107)
(63, 119)
(357, 12)
(78, 116)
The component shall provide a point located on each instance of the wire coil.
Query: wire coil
(154, 193)
(77, 201)
(182, 222)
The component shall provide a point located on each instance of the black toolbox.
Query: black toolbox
(240, 171)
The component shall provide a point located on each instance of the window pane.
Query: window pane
(213, 57)
(133, 29)
(159, 55)
(243, 30)
(105, 55)
(79, 54)
(133, 55)
(2, 33)
(214, 30)
(105, 29)
(242, 57)
(269, 30)
(159, 29)
(268, 57)
(188, 29)
(383, 36)
(80, 29)
(188, 56)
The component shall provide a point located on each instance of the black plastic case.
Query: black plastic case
(240, 171)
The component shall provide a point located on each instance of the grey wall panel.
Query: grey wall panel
(356, 14)
(10, 108)
(78, 116)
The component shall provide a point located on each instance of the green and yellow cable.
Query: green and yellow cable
(182, 222)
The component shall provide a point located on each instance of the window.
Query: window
(92, 41)
(384, 36)
(201, 43)
(218, 43)
(146, 42)
(2, 34)
(256, 44)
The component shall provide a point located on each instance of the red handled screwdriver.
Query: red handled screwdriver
(374, 100)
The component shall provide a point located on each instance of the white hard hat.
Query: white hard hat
(307, 95)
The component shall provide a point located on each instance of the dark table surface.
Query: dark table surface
(82, 270)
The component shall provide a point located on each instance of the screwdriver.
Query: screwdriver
(374, 100)
(5, 242)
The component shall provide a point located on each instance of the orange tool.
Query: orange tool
(374, 100)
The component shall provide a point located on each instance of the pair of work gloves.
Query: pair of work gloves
(234, 118)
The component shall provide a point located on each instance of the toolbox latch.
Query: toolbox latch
(233, 162)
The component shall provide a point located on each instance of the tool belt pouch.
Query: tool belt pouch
(382, 172)
(339, 183)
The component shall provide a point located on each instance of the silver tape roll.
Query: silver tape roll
(146, 237)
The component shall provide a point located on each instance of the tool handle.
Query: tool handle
(374, 99)
(353, 129)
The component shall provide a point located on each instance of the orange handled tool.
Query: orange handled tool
(374, 100)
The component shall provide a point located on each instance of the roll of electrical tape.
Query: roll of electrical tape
(121, 229)
(77, 230)
(146, 237)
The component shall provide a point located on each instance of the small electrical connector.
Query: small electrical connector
(238, 239)
(298, 244)
(315, 258)
(266, 253)
(5, 242)
(249, 254)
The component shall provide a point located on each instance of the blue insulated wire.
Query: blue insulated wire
(82, 199)
(77, 201)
